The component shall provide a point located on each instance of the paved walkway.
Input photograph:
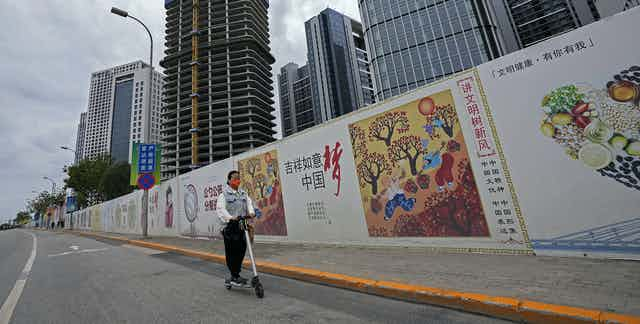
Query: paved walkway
(607, 285)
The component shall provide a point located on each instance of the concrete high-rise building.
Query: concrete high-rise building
(116, 115)
(412, 43)
(82, 127)
(338, 61)
(219, 87)
(537, 20)
(296, 104)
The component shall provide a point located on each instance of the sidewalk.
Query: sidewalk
(604, 285)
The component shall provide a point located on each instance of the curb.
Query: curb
(514, 309)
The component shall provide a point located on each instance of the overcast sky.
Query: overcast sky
(48, 49)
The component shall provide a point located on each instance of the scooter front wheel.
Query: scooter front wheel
(259, 290)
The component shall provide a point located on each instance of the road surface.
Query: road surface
(81, 280)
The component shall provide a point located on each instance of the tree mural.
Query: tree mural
(252, 166)
(371, 168)
(407, 147)
(446, 115)
(358, 140)
(448, 214)
(383, 127)
(260, 183)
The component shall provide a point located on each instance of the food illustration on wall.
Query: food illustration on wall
(414, 172)
(599, 127)
(260, 178)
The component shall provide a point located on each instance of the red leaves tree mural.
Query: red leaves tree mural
(447, 114)
(373, 165)
(407, 147)
(358, 140)
(383, 127)
(457, 213)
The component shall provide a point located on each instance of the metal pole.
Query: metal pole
(53, 184)
(147, 133)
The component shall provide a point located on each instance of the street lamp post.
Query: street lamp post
(147, 133)
(53, 184)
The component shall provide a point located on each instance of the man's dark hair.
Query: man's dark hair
(231, 174)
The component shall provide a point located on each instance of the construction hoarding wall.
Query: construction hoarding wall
(567, 114)
(536, 152)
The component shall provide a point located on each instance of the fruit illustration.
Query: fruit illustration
(423, 181)
(595, 156)
(580, 108)
(598, 127)
(410, 186)
(633, 148)
(547, 129)
(582, 121)
(618, 142)
(561, 119)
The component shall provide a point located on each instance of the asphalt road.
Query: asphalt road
(80, 280)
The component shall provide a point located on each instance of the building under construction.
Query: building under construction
(218, 91)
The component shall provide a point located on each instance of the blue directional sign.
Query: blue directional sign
(146, 158)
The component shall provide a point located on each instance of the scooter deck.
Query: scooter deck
(245, 286)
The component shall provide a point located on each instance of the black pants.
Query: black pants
(235, 246)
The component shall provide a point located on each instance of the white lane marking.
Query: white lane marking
(77, 252)
(6, 312)
(74, 247)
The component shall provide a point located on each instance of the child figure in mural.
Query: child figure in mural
(233, 203)
(168, 214)
(397, 198)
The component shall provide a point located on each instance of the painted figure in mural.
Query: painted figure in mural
(168, 214)
(397, 198)
(431, 159)
(444, 175)
(233, 203)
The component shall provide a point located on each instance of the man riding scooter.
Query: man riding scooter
(232, 204)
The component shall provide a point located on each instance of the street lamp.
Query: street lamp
(68, 148)
(147, 133)
(53, 184)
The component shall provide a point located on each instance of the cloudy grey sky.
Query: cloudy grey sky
(48, 49)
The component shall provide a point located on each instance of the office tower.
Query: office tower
(607, 8)
(338, 62)
(415, 42)
(537, 20)
(296, 104)
(82, 127)
(117, 113)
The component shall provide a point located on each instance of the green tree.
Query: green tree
(44, 200)
(22, 217)
(85, 179)
(115, 181)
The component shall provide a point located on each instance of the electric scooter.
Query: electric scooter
(255, 281)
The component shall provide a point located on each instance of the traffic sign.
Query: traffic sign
(147, 158)
(146, 181)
